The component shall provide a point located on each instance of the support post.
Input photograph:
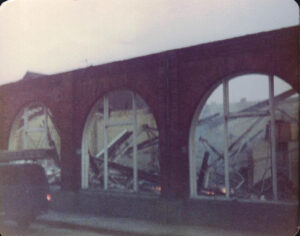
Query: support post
(25, 128)
(273, 138)
(105, 176)
(46, 127)
(226, 141)
(135, 160)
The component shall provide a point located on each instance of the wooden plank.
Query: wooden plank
(221, 156)
(31, 154)
(128, 171)
(265, 103)
(145, 144)
(143, 175)
(238, 139)
(122, 137)
(32, 116)
(217, 119)
(202, 171)
(94, 160)
(208, 119)
(205, 141)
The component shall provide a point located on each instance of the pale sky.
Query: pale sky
(51, 36)
(254, 87)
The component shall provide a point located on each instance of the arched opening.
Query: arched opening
(34, 130)
(120, 145)
(244, 141)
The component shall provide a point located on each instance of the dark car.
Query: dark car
(24, 192)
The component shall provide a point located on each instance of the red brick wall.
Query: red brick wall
(172, 83)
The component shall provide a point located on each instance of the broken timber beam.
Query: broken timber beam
(208, 118)
(245, 133)
(31, 154)
(32, 116)
(202, 171)
(218, 119)
(265, 103)
(143, 145)
(122, 137)
(128, 171)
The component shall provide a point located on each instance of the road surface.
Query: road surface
(10, 229)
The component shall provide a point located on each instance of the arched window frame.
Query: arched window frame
(226, 116)
(132, 122)
(24, 114)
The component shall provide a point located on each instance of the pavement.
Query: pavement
(124, 226)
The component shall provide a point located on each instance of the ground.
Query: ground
(59, 224)
(10, 229)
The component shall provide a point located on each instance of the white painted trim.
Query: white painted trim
(131, 121)
(226, 137)
(273, 138)
(192, 159)
(85, 164)
(112, 142)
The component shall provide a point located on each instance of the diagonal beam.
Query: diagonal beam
(218, 119)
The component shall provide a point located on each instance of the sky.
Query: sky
(253, 88)
(52, 36)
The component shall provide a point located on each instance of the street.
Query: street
(56, 223)
(10, 229)
(36, 229)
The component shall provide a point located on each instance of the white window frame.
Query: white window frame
(227, 115)
(107, 124)
(24, 115)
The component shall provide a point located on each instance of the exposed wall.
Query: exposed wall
(172, 84)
